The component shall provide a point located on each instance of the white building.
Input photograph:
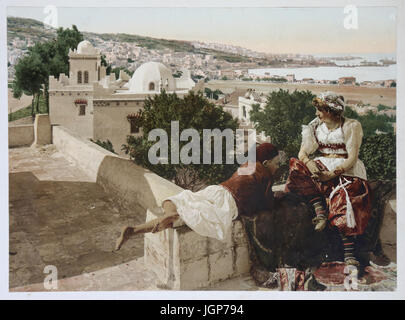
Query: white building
(99, 107)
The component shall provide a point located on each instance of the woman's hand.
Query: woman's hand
(326, 176)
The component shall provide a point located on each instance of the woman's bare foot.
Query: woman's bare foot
(126, 233)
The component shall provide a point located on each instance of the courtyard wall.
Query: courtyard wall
(20, 135)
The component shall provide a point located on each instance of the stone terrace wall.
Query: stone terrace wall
(133, 184)
(20, 135)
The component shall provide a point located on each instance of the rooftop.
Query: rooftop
(58, 216)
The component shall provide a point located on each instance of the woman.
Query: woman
(210, 211)
(334, 182)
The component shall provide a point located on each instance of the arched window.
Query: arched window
(86, 77)
(151, 86)
(79, 77)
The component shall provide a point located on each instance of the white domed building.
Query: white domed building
(152, 77)
(85, 47)
(97, 106)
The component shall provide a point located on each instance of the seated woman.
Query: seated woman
(334, 182)
(210, 211)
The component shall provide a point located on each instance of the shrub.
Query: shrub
(105, 144)
(378, 152)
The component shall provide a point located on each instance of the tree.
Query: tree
(67, 39)
(282, 118)
(51, 57)
(106, 64)
(192, 111)
(212, 94)
(30, 74)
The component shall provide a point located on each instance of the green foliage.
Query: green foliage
(224, 78)
(117, 70)
(30, 74)
(67, 39)
(378, 152)
(382, 107)
(178, 74)
(106, 64)
(350, 113)
(105, 144)
(371, 123)
(198, 77)
(212, 94)
(283, 116)
(192, 111)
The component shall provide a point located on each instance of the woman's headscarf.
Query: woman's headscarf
(330, 100)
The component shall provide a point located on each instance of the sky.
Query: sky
(271, 30)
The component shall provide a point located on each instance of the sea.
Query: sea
(366, 73)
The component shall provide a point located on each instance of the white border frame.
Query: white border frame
(204, 295)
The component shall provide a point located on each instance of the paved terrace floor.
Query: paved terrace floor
(59, 217)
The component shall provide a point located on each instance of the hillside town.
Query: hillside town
(209, 61)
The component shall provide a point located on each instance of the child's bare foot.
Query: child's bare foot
(125, 235)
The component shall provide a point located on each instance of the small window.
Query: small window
(134, 126)
(82, 110)
(151, 86)
(86, 77)
(79, 77)
(244, 111)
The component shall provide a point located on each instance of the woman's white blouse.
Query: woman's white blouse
(350, 134)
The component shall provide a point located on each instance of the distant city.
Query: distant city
(209, 61)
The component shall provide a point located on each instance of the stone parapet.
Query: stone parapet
(20, 135)
(42, 129)
(185, 260)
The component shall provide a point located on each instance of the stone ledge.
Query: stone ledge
(185, 260)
